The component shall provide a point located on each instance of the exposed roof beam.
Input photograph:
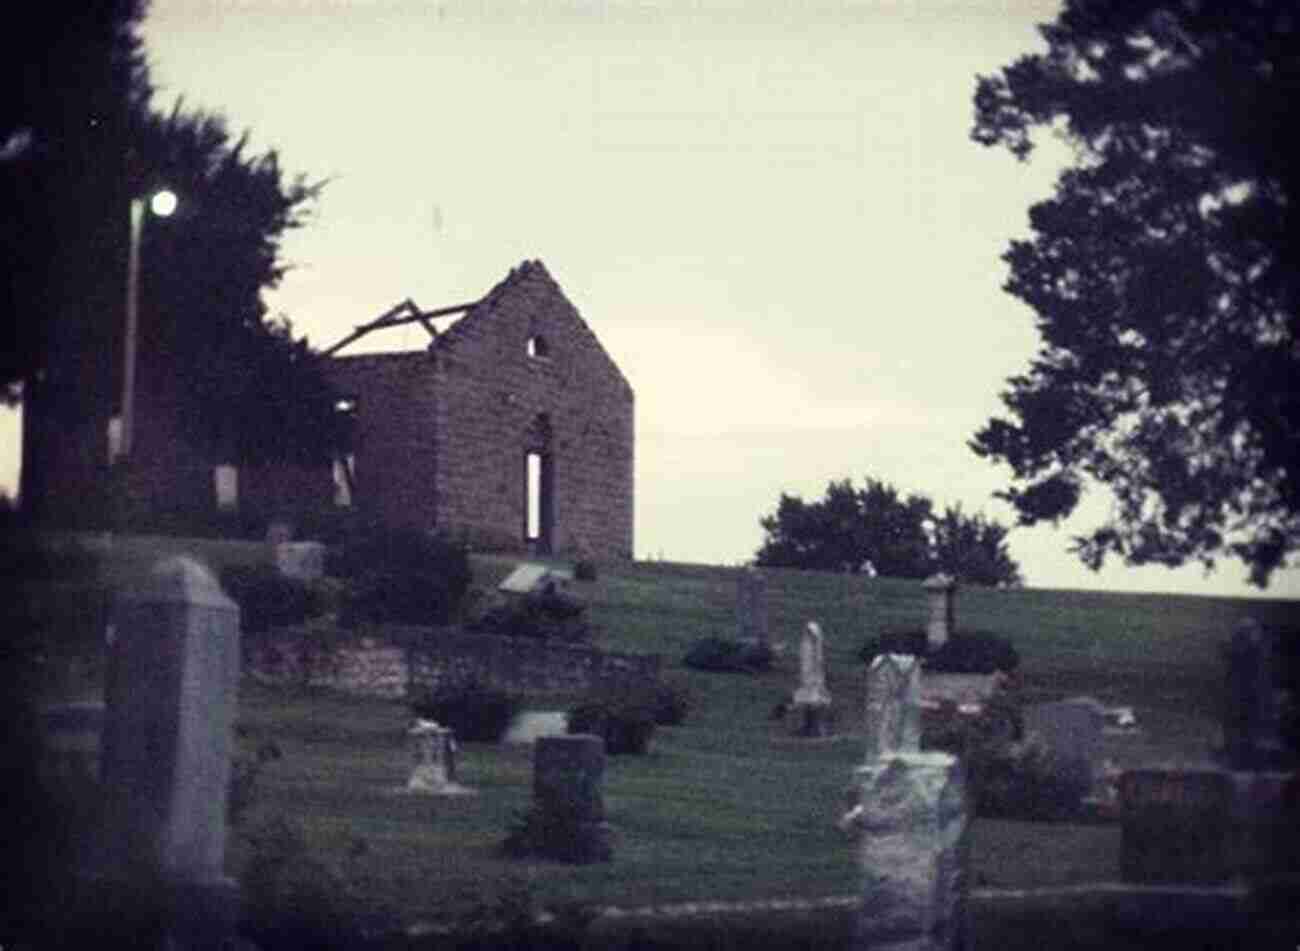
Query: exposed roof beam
(404, 313)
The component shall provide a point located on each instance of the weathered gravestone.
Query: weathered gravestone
(941, 592)
(751, 606)
(1175, 825)
(1255, 702)
(893, 717)
(567, 820)
(433, 752)
(171, 694)
(911, 818)
(532, 578)
(1230, 819)
(1072, 730)
(304, 561)
(812, 699)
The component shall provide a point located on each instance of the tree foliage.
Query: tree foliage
(257, 393)
(1163, 272)
(876, 528)
(79, 141)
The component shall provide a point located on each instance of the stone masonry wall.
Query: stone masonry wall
(442, 433)
(497, 401)
(396, 447)
(514, 663)
(524, 664)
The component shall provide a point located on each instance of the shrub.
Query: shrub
(548, 615)
(672, 700)
(404, 576)
(474, 711)
(973, 652)
(1008, 777)
(584, 570)
(720, 655)
(624, 719)
(291, 898)
(968, 652)
(267, 598)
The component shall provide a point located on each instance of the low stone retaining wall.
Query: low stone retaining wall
(378, 668)
(524, 663)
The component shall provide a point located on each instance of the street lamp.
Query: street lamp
(162, 203)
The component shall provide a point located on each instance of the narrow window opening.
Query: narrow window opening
(226, 480)
(534, 496)
(537, 502)
(537, 346)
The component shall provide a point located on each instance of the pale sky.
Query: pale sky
(771, 214)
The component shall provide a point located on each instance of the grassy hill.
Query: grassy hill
(728, 806)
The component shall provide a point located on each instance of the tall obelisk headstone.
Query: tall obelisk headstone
(751, 606)
(812, 699)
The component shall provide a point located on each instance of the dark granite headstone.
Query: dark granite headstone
(1175, 825)
(569, 799)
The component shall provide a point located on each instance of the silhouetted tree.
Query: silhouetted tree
(973, 549)
(1164, 276)
(876, 528)
(77, 142)
(254, 392)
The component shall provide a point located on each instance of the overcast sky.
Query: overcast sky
(771, 214)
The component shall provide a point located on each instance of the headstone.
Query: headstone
(171, 692)
(1175, 825)
(911, 820)
(533, 578)
(72, 734)
(1072, 729)
(433, 752)
(528, 726)
(812, 700)
(941, 592)
(1254, 702)
(569, 797)
(893, 720)
(751, 606)
(302, 560)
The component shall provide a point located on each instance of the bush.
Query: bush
(720, 655)
(968, 652)
(1008, 777)
(584, 570)
(268, 599)
(624, 719)
(672, 700)
(474, 711)
(404, 576)
(548, 615)
(293, 899)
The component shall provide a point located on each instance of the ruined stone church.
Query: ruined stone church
(513, 428)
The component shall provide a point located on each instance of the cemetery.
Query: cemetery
(1132, 777)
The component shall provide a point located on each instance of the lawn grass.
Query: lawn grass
(728, 806)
